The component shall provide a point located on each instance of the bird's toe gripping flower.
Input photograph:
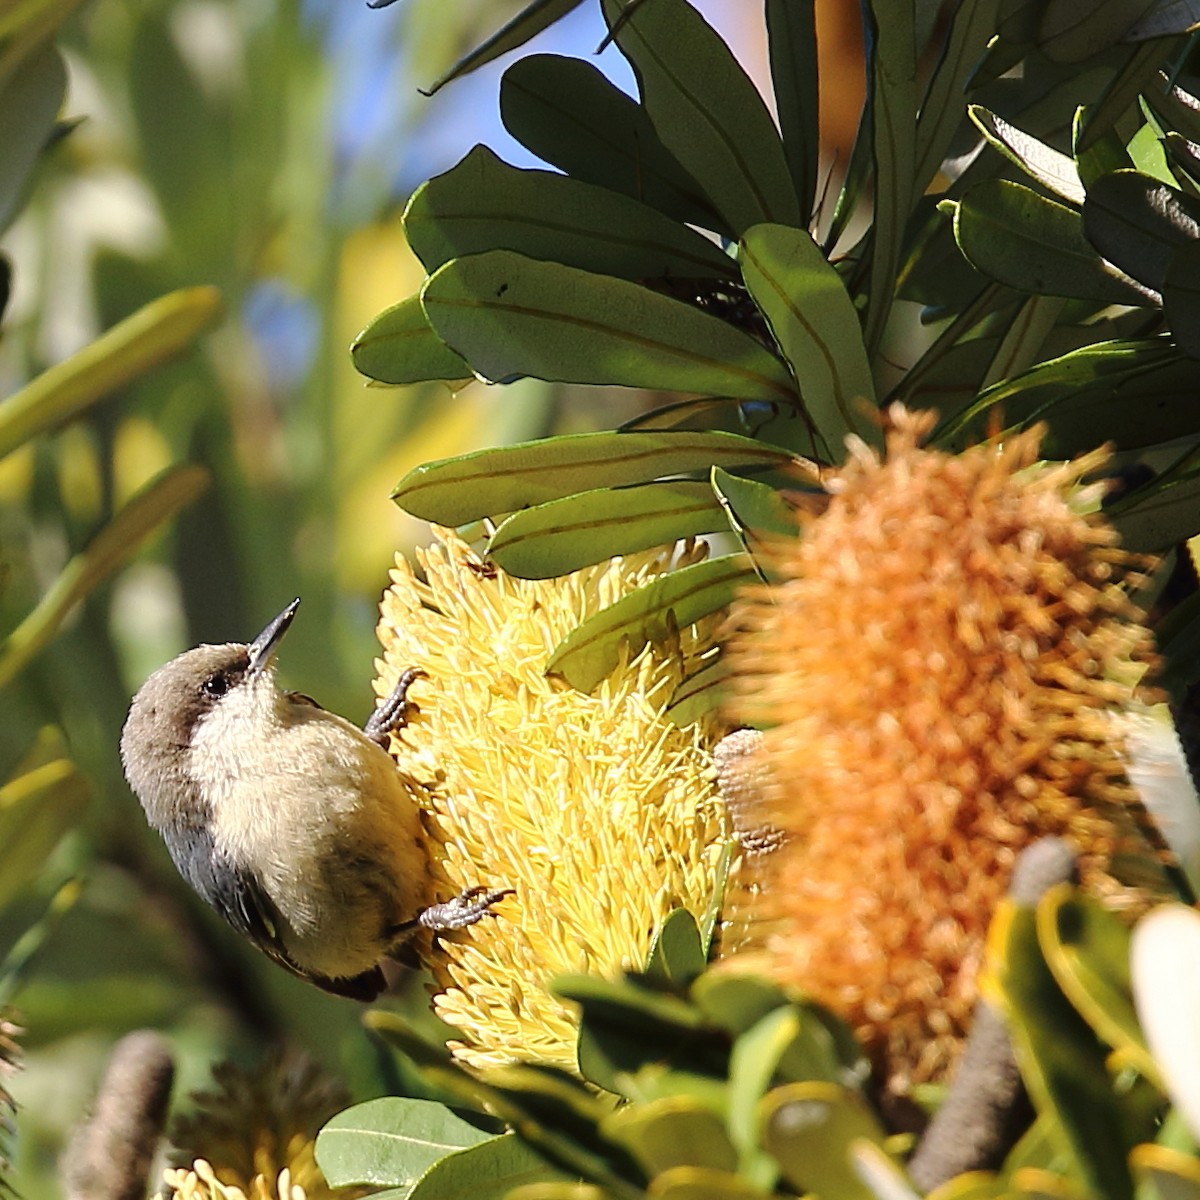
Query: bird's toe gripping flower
(597, 810)
(939, 668)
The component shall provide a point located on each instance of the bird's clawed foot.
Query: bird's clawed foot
(392, 714)
(472, 905)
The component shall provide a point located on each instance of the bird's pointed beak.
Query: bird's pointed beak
(262, 649)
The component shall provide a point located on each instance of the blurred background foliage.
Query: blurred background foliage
(262, 148)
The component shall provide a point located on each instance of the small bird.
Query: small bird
(295, 825)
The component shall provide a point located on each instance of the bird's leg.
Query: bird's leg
(465, 909)
(392, 714)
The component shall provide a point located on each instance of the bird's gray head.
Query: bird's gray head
(179, 702)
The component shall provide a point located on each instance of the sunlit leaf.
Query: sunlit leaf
(814, 321)
(649, 613)
(563, 535)
(707, 111)
(485, 204)
(399, 346)
(153, 334)
(671, 1132)
(509, 315)
(492, 482)
(489, 1170)
(1054, 170)
(391, 1141)
(151, 508)
(29, 102)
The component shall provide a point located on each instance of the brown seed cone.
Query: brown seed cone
(939, 670)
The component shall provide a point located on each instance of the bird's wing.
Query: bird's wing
(237, 896)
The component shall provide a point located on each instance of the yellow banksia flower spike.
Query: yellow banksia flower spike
(598, 811)
(940, 670)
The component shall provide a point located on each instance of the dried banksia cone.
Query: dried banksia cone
(939, 669)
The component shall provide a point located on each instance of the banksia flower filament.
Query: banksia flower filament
(597, 810)
(938, 670)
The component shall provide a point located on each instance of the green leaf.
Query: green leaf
(1087, 949)
(701, 692)
(736, 1002)
(148, 510)
(704, 1183)
(1135, 391)
(792, 39)
(486, 1171)
(813, 320)
(1164, 517)
(399, 346)
(972, 23)
(648, 614)
(1138, 224)
(37, 808)
(676, 954)
(758, 513)
(1061, 1060)
(509, 315)
(1142, 67)
(486, 483)
(1019, 238)
(752, 1066)
(563, 535)
(153, 334)
(528, 23)
(391, 1141)
(707, 111)
(567, 113)
(1055, 171)
(1181, 298)
(29, 102)
(485, 204)
(671, 1132)
(892, 96)
(1071, 32)
(811, 1129)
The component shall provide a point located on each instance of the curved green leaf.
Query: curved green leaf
(1138, 223)
(813, 320)
(489, 1170)
(37, 808)
(676, 954)
(592, 650)
(485, 204)
(1087, 949)
(1181, 298)
(1019, 238)
(29, 102)
(1061, 1060)
(757, 512)
(510, 315)
(1167, 516)
(892, 96)
(1136, 391)
(567, 113)
(810, 1128)
(391, 1141)
(490, 482)
(563, 535)
(972, 24)
(1072, 31)
(149, 509)
(160, 330)
(399, 346)
(698, 694)
(1051, 168)
(670, 1132)
(707, 111)
(528, 23)
(792, 39)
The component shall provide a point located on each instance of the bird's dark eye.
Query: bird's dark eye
(216, 685)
